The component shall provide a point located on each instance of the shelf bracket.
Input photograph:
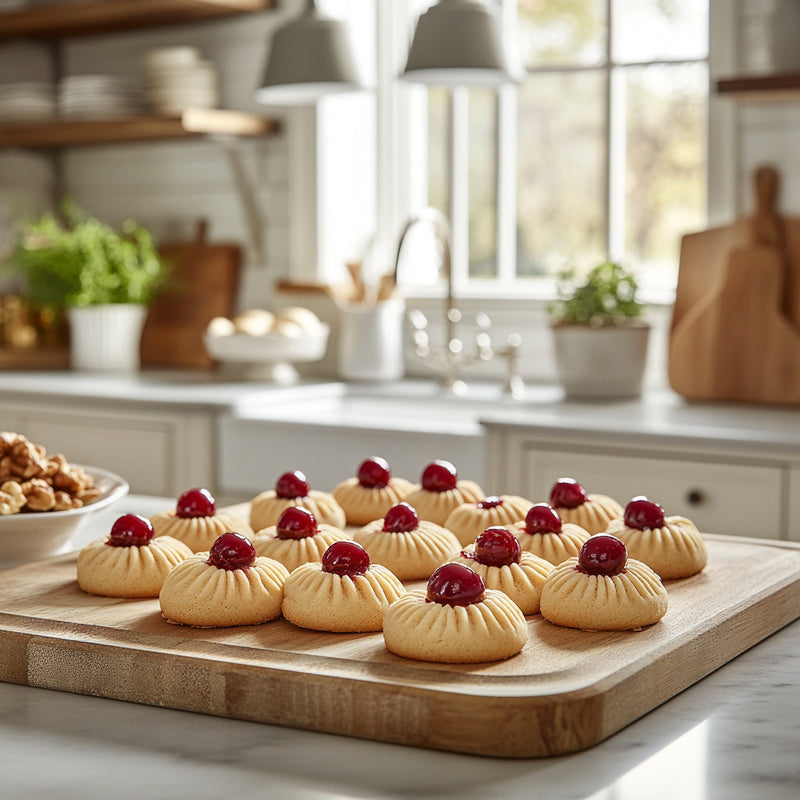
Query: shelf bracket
(253, 218)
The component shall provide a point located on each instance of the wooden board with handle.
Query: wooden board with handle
(736, 322)
(202, 285)
(566, 691)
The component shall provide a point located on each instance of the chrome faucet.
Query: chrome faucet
(451, 361)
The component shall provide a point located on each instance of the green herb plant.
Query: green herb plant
(606, 296)
(83, 261)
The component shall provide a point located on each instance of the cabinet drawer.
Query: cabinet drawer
(739, 500)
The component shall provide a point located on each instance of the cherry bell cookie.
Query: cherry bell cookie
(498, 558)
(441, 491)
(343, 593)
(601, 589)
(297, 538)
(410, 547)
(129, 562)
(292, 489)
(196, 521)
(592, 512)
(456, 621)
(227, 586)
(544, 534)
(468, 520)
(672, 546)
(372, 492)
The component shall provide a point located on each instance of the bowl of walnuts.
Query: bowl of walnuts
(44, 498)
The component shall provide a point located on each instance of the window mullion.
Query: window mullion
(506, 184)
(459, 184)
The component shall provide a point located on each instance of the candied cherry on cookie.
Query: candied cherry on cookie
(439, 476)
(642, 513)
(602, 554)
(291, 485)
(374, 473)
(455, 585)
(296, 522)
(567, 493)
(232, 551)
(195, 503)
(130, 530)
(345, 558)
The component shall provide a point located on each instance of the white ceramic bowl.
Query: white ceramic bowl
(37, 534)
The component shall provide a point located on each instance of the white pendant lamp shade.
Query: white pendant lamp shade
(309, 57)
(459, 43)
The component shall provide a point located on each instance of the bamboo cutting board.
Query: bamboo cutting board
(736, 321)
(566, 691)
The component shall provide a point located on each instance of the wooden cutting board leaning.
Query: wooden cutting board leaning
(736, 322)
(202, 285)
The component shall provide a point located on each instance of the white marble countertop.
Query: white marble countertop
(735, 735)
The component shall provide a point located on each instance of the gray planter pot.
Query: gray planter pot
(604, 362)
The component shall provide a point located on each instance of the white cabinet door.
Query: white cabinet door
(742, 500)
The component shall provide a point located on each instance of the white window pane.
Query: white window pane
(561, 32)
(666, 163)
(482, 183)
(561, 205)
(659, 29)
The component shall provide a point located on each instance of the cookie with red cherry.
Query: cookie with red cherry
(371, 492)
(129, 561)
(455, 620)
(546, 535)
(602, 589)
(574, 504)
(441, 491)
(196, 521)
(343, 593)
(469, 520)
(671, 545)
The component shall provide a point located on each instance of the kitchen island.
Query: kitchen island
(735, 734)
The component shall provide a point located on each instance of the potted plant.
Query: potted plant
(102, 278)
(599, 337)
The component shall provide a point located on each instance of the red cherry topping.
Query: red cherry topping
(543, 518)
(130, 530)
(374, 473)
(497, 547)
(489, 502)
(195, 503)
(400, 519)
(455, 585)
(291, 484)
(232, 551)
(642, 513)
(439, 476)
(345, 558)
(602, 554)
(296, 522)
(567, 493)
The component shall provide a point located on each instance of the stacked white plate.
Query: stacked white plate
(99, 97)
(27, 100)
(177, 78)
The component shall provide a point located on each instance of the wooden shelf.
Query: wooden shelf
(91, 17)
(779, 87)
(34, 358)
(194, 122)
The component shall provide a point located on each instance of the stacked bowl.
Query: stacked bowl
(177, 78)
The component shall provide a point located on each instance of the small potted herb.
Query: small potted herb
(103, 278)
(599, 337)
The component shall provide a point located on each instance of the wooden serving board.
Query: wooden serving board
(566, 691)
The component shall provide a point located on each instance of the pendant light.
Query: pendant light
(309, 57)
(459, 43)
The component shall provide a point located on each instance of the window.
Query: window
(600, 152)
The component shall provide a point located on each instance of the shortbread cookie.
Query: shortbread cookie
(292, 489)
(344, 592)
(544, 534)
(297, 538)
(456, 621)
(672, 546)
(592, 512)
(441, 492)
(372, 492)
(410, 547)
(196, 522)
(498, 558)
(469, 520)
(602, 589)
(129, 562)
(227, 586)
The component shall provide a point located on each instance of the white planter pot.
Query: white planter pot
(106, 337)
(601, 362)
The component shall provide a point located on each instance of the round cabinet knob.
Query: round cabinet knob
(695, 497)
